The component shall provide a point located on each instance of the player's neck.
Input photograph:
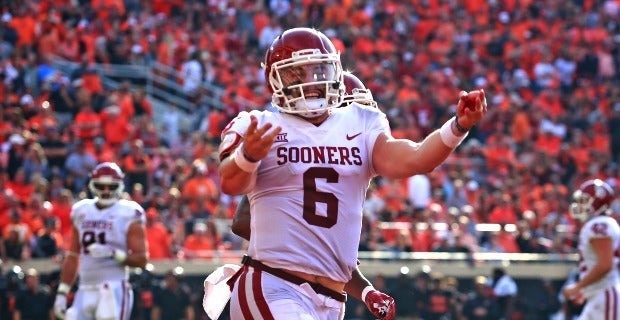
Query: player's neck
(101, 206)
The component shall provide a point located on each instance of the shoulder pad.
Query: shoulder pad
(237, 125)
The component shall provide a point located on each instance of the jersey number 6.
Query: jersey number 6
(312, 196)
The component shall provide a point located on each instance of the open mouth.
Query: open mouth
(313, 93)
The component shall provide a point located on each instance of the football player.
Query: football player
(108, 236)
(599, 244)
(378, 303)
(306, 169)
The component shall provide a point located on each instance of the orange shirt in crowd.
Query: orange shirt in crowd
(105, 153)
(41, 120)
(87, 124)
(198, 246)
(421, 241)
(507, 241)
(549, 143)
(129, 162)
(62, 211)
(26, 29)
(48, 43)
(22, 190)
(116, 129)
(126, 104)
(503, 214)
(581, 155)
(521, 127)
(91, 82)
(199, 191)
(34, 222)
(261, 20)
(158, 238)
(336, 13)
(104, 8)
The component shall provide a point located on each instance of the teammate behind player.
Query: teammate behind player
(355, 91)
(599, 241)
(107, 237)
(306, 169)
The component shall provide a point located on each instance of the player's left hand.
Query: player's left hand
(257, 141)
(573, 293)
(60, 306)
(472, 106)
(102, 251)
(380, 304)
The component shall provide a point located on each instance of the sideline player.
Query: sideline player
(107, 237)
(306, 169)
(599, 243)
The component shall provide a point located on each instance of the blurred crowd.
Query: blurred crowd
(549, 70)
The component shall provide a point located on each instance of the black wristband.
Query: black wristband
(458, 127)
(248, 157)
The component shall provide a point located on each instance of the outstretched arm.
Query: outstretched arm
(378, 303)
(401, 158)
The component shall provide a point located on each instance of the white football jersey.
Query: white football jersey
(598, 227)
(307, 201)
(106, 226)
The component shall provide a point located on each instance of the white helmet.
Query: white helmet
(106, 183)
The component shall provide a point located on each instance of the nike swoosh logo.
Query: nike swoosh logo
(353, 136)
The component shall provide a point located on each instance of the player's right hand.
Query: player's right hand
(99, 251)
(380, 304)
(258, 141)
(472, 106)
(574, 294)
(60, 306)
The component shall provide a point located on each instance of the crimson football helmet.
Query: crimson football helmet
(304, 73)
(593, 198)
(106, 183)
(355, 91)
